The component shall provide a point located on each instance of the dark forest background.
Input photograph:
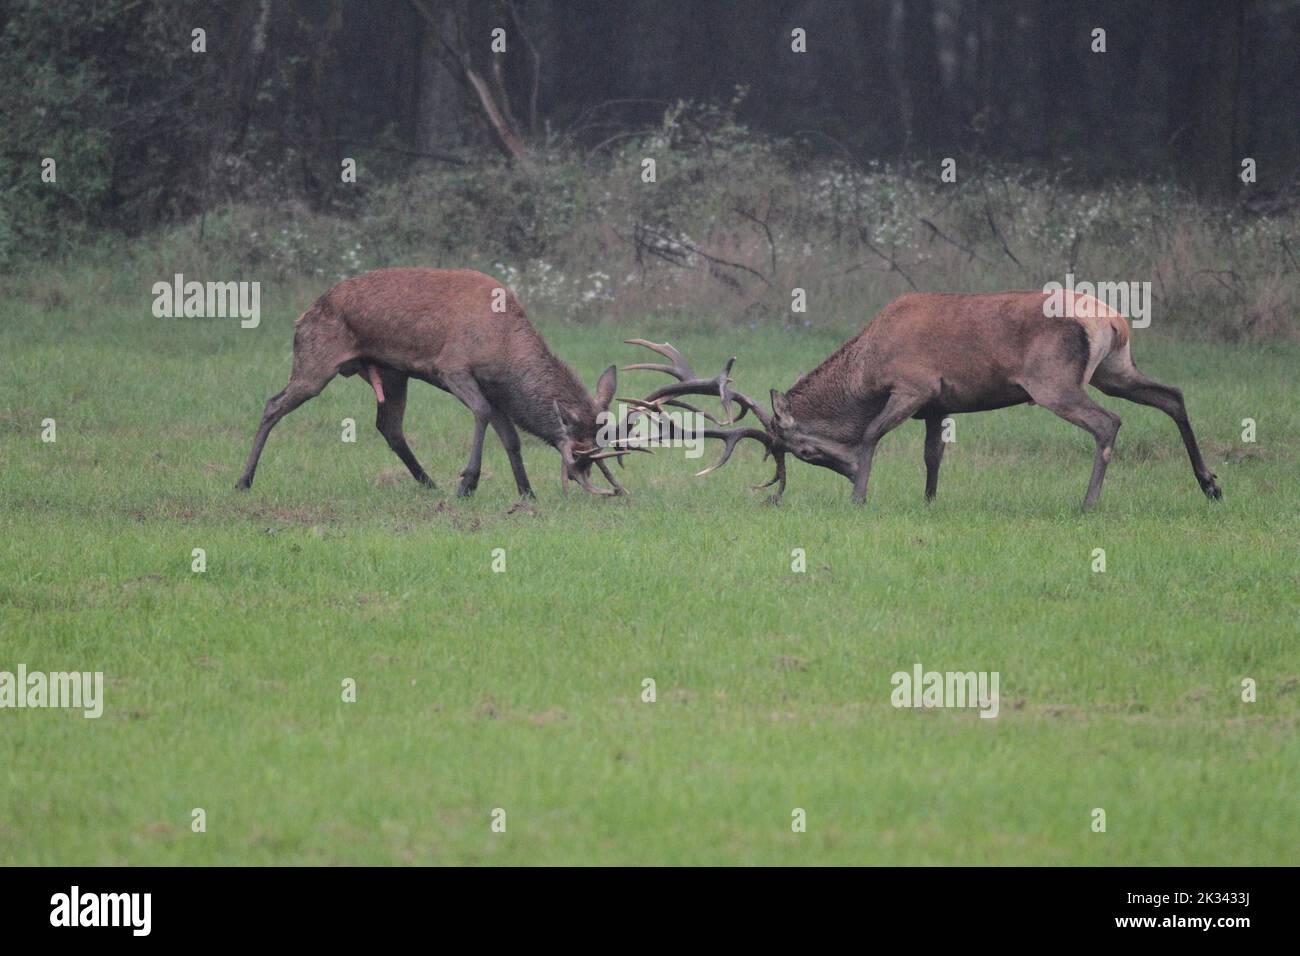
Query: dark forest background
(1186, 87)
(149, 134)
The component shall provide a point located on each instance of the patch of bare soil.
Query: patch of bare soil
(458, 521)
(299, 515)
(1219, 451)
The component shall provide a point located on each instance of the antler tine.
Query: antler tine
(618, 452)
(731, 438)
(680, 369)
(747, 404)
(724, 391)
(778, 479)
(641, 407)
(640, 404)
(688, 383)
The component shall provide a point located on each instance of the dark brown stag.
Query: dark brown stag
(928, 356)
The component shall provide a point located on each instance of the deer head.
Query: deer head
(579, 445)
(803, 439)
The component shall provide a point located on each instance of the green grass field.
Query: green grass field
(522, 690)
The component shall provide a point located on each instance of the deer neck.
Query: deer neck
(830, 398)
(552, 385)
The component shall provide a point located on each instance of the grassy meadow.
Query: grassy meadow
(522, 690)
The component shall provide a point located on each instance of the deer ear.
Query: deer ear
(606, 387)
(781, 409)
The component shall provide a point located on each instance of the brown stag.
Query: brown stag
(930, 355)
(465, 333)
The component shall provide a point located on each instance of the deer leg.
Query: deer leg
(609, 476)
(463, 386)
(1073, 404)
(900, 407)
(505, 430)
(1127, 382)
(299, 390)
(933, 454)
(388, 419)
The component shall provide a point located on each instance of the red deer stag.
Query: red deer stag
(465, 333)
(929, 355)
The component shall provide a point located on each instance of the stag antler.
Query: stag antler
(688, 383)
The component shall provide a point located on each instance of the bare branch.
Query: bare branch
(767, 230)
(498, 121)
(537, 67)
(948, 239)
(988, 214)
(893, 263)
(691, 247)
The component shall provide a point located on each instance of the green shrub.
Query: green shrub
(734, 222)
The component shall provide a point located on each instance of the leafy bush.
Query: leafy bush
(48, 90)
(734, 222)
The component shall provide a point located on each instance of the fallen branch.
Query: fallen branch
(893, 263)
(993, 226)
(1287, 249)
(767, 230)
(696, 250)
(953, 242)
(1074, 250)
(1216, 274)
